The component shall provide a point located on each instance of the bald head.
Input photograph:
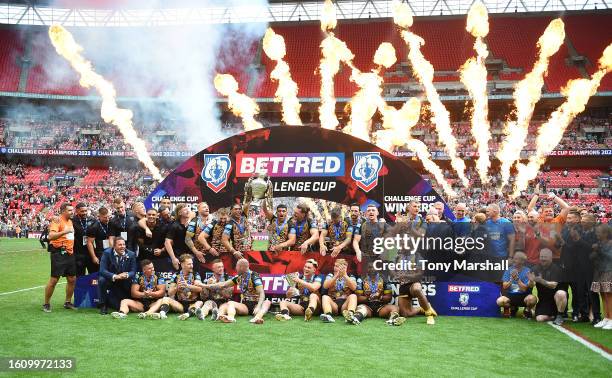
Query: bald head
(546, 256)
(519, 259)
(242, 265)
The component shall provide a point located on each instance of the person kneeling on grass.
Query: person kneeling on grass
(374, 297)
(147, 292)
(516, 288)
(186, 286)
(252, 297)
(117, 270)
(340, 294)
(308, 286)
(551, 300)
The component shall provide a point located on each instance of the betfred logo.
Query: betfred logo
(463, 289)
(291, 164)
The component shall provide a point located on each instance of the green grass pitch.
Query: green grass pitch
(103, 346)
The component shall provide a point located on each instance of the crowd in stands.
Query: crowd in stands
(29, 194)
(583, 133)
(74, 135)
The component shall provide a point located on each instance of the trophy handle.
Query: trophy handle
(248, 194)
(269, 195)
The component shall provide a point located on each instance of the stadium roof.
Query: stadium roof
(180, 12)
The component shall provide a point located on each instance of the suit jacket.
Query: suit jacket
(110, 266)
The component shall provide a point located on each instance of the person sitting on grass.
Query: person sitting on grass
(340, 297)
(307, 289)
(253, 299)
(374, 298)
(516, 289)
(187, 286)
(148, 289)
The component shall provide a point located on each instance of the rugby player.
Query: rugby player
(340, 294)
(147, 292)
(363, 243)
(252, 297)
(186, 285)
(214, 233)
(194, 228)
(374, 297)
(238, 231)
(215, 298)
(308, 286)
(335, 236)
(407, 292)
(281, 229)
(306, 231)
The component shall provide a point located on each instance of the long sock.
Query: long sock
(359, 316)
(285, 312)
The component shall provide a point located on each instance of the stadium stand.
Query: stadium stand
(10, 52)
(446, 47)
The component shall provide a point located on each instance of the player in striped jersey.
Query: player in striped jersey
(340, 295)
(308, 286)
(374, 297)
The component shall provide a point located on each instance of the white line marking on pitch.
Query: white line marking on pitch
(28, 289)
(582, 341)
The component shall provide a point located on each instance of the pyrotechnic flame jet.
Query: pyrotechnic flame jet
(577, 93)
(334, 51)
(66, 46)
(473, 75)
(527, 93)
(286, 93)
(369, 97)
(424, 72)
(240, 104)
(397, 124)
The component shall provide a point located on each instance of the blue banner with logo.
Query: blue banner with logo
(86, 291)
(466, 299)
(447, 298)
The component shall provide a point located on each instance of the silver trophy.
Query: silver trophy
(290, 278)
(258, 188)
(292, 290)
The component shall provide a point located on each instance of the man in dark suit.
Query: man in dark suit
(117, 269)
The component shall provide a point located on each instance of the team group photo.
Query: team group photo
(299, 188)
